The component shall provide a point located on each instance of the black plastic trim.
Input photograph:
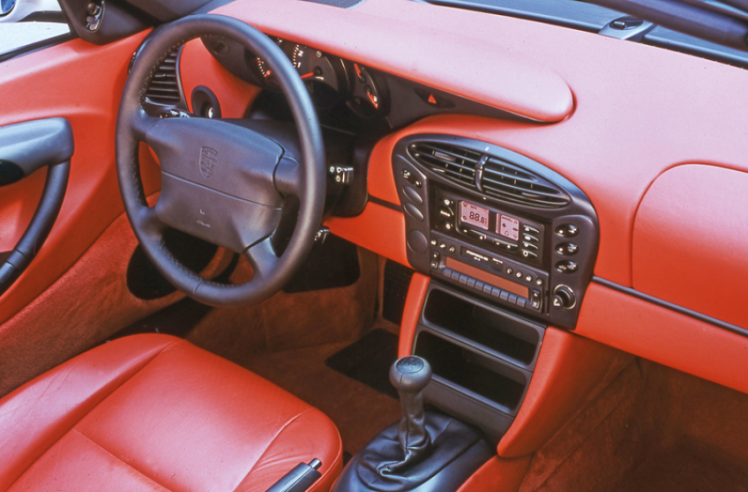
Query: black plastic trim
(46, 43)
(385, 203)
(672, 307)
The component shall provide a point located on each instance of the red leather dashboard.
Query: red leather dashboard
(637, 112)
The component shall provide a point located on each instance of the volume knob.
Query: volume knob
(564, 297)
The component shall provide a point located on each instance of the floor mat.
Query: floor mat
(368, 360)
(358, 411)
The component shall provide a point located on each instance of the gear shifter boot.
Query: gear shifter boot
(424, 452)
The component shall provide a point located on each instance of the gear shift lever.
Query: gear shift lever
(424, 452)
(410, 375)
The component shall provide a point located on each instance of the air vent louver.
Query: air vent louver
(164, 86)
(499, 178)
(455, 163)
(513, 184)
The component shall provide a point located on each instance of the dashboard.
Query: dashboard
(581, 119)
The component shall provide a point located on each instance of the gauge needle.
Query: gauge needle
(268, 73)
(307, 75)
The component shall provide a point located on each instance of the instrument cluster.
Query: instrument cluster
(329, 79)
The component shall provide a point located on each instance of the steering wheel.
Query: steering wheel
(227, 183)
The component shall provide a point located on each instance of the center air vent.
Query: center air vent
(455, 163)
(164, 88)
(497, 177)
(506, 181)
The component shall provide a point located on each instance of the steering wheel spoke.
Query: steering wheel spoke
(288, 178)
(147, 221)
(141, 123)
(263, 259)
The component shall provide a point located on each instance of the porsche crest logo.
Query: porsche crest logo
(208, 161)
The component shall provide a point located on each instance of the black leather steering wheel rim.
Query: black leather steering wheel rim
(134, 125)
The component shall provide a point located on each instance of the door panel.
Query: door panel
(82, 83)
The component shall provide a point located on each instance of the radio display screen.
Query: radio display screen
(474, 215)
(508, 227)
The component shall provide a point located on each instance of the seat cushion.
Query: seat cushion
(153, 412)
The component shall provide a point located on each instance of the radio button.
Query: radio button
(513, 298)
(518, 274)
(463, 279)
(417, 242)
(567, 266)
(471, 282)
(411, 179)
(504, 295)
(487, 289)
(411, 193)
(495, 292)
(476, 235)
(455, 275)
(413, 211)
(447, 272)
(567, 230)
(521, 302)
(528, 278)
(479, 285)
(567, 249)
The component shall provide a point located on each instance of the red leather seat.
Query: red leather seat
(153, 412)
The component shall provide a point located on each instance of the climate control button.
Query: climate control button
(567, 230)
(567, 249)
(567, 266)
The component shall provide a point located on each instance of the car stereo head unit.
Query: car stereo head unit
(497, 224)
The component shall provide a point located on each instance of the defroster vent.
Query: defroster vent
(490, 174)
(164, 88)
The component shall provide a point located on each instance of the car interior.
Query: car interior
(375, 245)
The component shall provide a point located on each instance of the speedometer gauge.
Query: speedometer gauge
(324, 75)
(263, 70)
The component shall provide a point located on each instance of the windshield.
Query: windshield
(696, 24)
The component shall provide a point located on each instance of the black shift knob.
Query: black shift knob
(410, 374)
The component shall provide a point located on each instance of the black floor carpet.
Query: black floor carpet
(368, 360)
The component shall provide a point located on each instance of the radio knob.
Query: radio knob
(564, 297)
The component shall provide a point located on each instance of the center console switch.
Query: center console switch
(496, 224)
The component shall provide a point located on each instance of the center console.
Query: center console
(496, 224)
(510, 247)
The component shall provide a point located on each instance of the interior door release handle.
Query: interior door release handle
(25, 148)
